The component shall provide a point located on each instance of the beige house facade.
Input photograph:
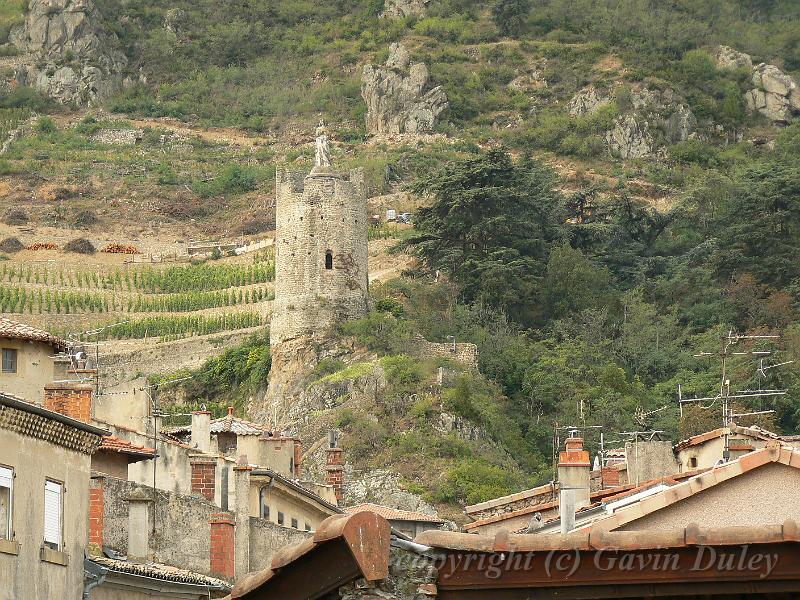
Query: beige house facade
(44, 495)
(27, 359)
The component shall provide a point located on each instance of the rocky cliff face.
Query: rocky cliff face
(399, 95)
(776, 95)
(68, 54)
(394, 9)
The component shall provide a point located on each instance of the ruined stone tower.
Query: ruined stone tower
(321, 275)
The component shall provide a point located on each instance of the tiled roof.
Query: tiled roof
(226, 424)
(774, 452)
(19, 331)
(393, 514)
(547, 489)
(753, 431)
(159, 571)
(366, 538)
(112, 443)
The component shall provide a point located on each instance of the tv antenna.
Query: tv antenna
(726, 395)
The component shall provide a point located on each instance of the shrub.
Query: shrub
(15, 216)
(10, 245)
(80, 246)
(46, 125)
(695, 151)
(84, 218)
(473, 481)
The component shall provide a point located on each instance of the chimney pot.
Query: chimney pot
(230, 411)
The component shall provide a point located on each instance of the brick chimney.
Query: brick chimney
(204, 476)
(96, 514)
(574, 479)
(223, 556)
(71, 399)
(201, 430)
(334, 468)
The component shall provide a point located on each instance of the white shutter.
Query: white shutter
(52, 513)
(6, 477)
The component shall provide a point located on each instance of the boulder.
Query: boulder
(729, 58)
(680, 125)
(630, 138)
(587, 101)
(395, 9)
(399, 95)
(776, 95)
(67, 53)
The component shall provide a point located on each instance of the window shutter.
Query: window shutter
(6, 477)
(52, 513)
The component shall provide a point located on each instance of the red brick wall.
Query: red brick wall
(96, 522)
(610, 476)
(222, 548)
(204, 478)
(73, 400)
(334, 472)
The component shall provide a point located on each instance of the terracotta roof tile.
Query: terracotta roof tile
(393, 514)
(226, 424)
(112, 443)
(159, 571)
(19, 331)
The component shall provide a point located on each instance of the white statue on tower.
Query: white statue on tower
(322, 156)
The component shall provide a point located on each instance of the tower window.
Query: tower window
(329, 260)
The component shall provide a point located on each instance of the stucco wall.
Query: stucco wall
(708, 453)
(266, 538)
(649, 460)
(26, 576)
(764, 496)
(109, 592)
(34, 370)
(291, 503)
(110, 463)
(180, 533)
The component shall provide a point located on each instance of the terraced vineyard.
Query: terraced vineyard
(141, 301)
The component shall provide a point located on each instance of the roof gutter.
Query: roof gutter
(296, 487)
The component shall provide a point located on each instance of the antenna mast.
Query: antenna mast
(725, 395)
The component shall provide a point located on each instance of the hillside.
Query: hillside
(611, 186)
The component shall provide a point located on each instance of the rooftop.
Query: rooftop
(159, 571)
(393, 514)
(10, 401)
(19, 331)
(112, 443)
(226, 424)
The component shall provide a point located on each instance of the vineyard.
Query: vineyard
(125, 298)
(169, 328)
(147, 280)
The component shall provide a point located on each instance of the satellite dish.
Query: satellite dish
(80, 355)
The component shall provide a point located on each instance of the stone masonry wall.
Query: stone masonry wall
(466, 354)
(315, 215)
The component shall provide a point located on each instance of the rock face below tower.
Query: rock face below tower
(321, 277)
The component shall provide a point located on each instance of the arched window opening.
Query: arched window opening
(329, 260)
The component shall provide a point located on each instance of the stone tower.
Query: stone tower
(321, 277)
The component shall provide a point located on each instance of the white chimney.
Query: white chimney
(201, 430)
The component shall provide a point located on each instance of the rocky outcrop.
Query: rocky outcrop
(399, 95)
(680, 125)
(776, 95)
(394, 9)
(68, 54)
(728, 58)
(630, 138)
(587, 101)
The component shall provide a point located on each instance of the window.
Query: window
(308, 527)
(280, 518)
(53, 514)
(693, 462)
(294, 524)
(329, 260)
(9, 360)
(6, 500)
(262, 501)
